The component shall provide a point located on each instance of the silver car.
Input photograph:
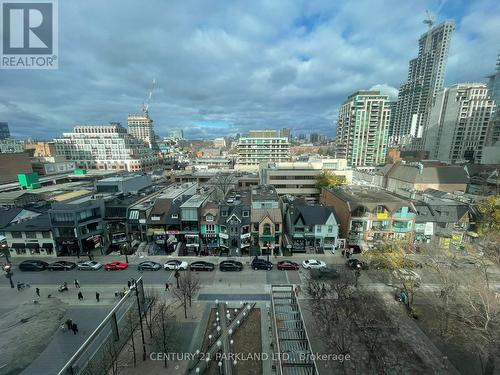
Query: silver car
(89, 265)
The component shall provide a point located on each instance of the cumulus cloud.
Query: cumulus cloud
(386, 89)
(258, 64)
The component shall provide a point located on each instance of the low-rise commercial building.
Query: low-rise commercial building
(124, 184)
(370, 215)
(300, 178)
(27, 233)
(78, 226)
(267, 220)
(12, 164)
(234, 222)
(310, 227)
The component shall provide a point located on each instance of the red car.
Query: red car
(288, 265)
(113, 266)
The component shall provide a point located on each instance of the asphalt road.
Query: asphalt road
(101, 277)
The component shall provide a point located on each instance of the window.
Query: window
(16, 234)
(30, 234)
(210, 228)
(246, 213)
(267, 229)
(318, 228)
(209, 217)
(223, 213)
(330, 229)
(175, 216)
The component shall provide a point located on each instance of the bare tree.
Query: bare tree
(130, 326)
(477, 320)
(162, 323)
(223, 182)
(188, 287)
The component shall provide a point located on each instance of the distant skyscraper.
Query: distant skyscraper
(459, 122)
(177, 133)
(4, 130)
(494, 91)
(363, 128)
(425, 79)
(141, 127)
(286, 132)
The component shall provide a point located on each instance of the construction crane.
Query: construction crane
(145, 105)
(429, 21)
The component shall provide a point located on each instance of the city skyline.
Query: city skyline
(210, 80)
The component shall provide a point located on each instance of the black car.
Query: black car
(202, 266)
(149, 265)
(33, 265)
(356, 263)
(61, 265)
(324, 274)
(230, 265)
(261, 264)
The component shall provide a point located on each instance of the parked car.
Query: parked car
(287, 265)
(261, 264)
(33, 265)
(356, 263)
(356, 249)
(230, 265)
(61, 265)
(149, 265)
(324, 273)
(201, 266)
(176, 265)
(89, 265)
(115, 266)
(313, 264)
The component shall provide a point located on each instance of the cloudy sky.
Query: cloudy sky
(224, 67)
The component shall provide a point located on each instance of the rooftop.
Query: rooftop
(264, 193)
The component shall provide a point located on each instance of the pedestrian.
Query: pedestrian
(69, 324)
(37, 291)
(77, 284)
(80, 296)
(351, 251)
(97, 295)
(74, 328)
(129, 284)
(167, 286)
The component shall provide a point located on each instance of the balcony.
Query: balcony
(402, 226)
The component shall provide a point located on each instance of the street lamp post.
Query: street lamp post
(357, 273)
(9, 274)
(5, 250)
(125, 248)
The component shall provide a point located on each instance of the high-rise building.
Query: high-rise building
(4, 130)
(459, 122)
(363, 128)
(425, 79)
(105, 147)
(494, 91)
(286, 132)
(262, 146)
(177, 133)
(141, 127)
